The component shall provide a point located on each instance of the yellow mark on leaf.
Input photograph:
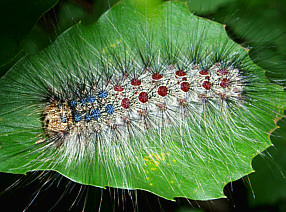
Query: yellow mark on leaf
(163, 155)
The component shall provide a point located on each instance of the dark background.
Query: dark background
(28, 26)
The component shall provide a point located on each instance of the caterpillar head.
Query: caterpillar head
(56, 119)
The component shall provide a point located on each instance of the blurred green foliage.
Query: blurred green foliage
(17, 18)
(268, 183)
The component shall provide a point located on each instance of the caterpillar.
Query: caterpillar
(153, 100)
(163, 105)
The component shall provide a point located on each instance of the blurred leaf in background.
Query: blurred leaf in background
(206, 7)
(22, 32)
(268, 182)
(17, 19)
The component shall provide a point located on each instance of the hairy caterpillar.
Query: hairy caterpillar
(176, 123)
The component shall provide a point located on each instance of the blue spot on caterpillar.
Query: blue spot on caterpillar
(90, 99)
(77, 117)
(96, 113)
(82, 101)
(63, 118)
(109, 109)
(73, 103)
(87, 117)
(102, 94)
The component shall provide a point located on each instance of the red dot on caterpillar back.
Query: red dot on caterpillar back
(156, 76)
(118, 88)
(143, 97)
(182, 102)
(126, 119)
(161, 106)
(125, 103)
(135, 82)
(180, 73)
(162, 90)
(224, 83)
(185, 86)
(223, 71)
(204, 72)
(222, 96)
(207, 85)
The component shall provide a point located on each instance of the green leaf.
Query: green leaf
(195, 160)
(16, 21)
